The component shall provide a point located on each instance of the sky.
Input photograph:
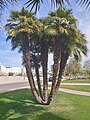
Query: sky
(13, 58)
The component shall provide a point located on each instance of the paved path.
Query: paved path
(75, 83)
(74, 92)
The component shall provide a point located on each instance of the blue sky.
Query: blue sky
(13, 58)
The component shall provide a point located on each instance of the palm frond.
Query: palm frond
(83, 3)
(4, 3)
(36, 4)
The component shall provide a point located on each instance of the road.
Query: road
(13, 86)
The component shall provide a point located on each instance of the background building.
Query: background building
(10, 70)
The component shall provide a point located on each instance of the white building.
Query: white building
(15, 70)
(6, 70)
(3, 70)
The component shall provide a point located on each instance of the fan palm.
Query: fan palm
(59, 23)
(76, 46)
(35, 50)
(66, 38)
(44, 41)
(44, 57)
(21, 26)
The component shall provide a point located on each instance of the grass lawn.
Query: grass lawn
(85, 88)
(77, 81)
(20, 105)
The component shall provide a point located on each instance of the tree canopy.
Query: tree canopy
(73, 69)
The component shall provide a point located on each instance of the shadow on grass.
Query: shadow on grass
(20, 105)
(49, 116)
(44, 116)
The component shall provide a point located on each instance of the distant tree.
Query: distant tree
(73, 68)
(86, 67)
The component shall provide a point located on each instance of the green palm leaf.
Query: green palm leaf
(36, 4)
(21, 22)
(85, 3)
(4, 3)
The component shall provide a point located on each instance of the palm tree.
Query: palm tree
(44, 42)
(35, 50)
(77, 47)
(60, 21)
(66, 37)
(23, 31)
(21, 26)
(44, 57)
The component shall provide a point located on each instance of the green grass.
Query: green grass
(20, 105)
(77, 81)
(85, 88)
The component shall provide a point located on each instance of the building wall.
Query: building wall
(3, 70)
(6, 70)
(16, 70)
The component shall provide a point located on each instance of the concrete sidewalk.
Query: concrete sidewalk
(74, 92)
(75, 83)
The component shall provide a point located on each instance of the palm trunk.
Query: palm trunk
(64, 58)
(57, 54)
(44, 59)
(26, 56)
(37, 75)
